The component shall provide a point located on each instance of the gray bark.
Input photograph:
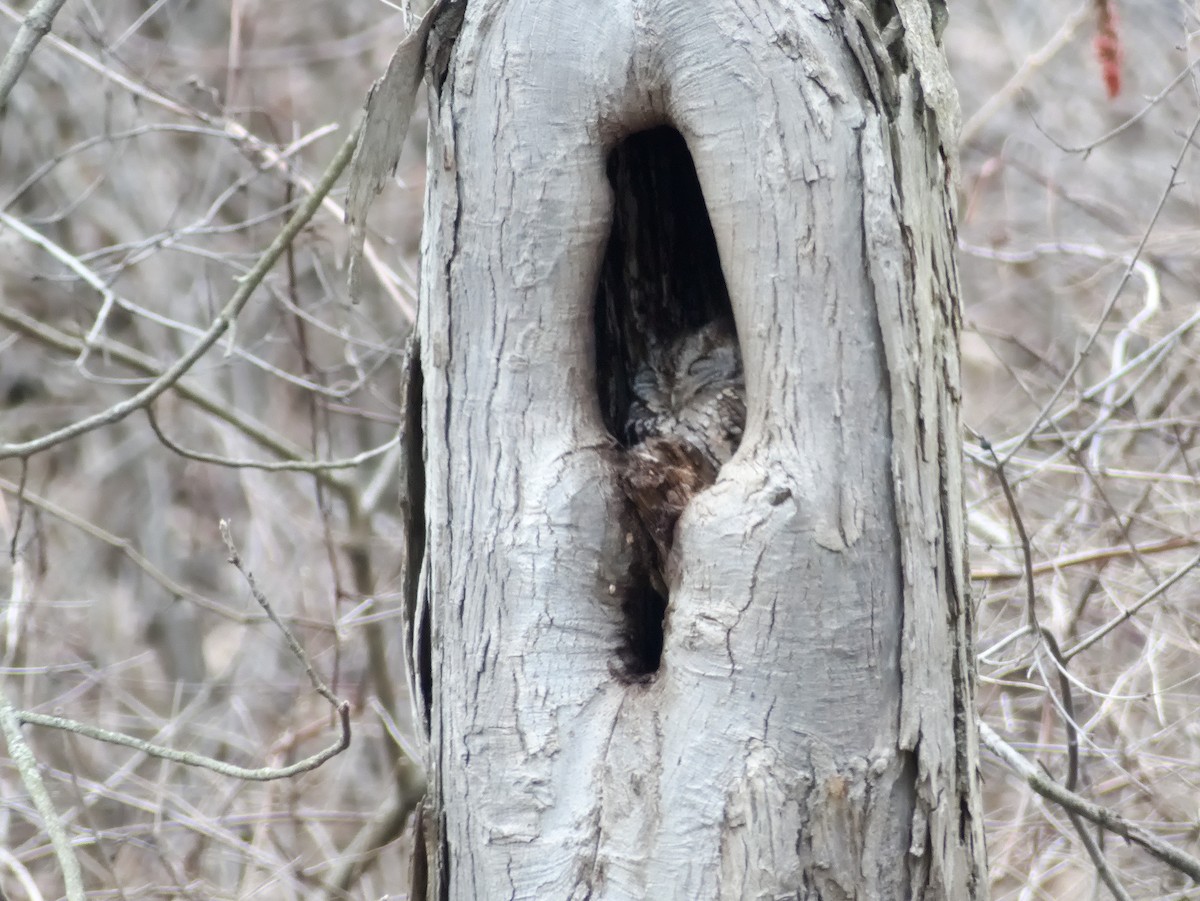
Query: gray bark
(808, 730)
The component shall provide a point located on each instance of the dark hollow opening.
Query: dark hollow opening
(660, 282)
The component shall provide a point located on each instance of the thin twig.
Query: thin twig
(18, 603)
(317, 682)
(1029, 67)
(1081, 355)
(22, 874)
(1132, 611)
(385, 825)
(206, 401)
(1152, 356)
(1045, 786)
(111, 299)
(35, 27)
(388, 279)
(219, 327)
(1031, 618)
(284, 466)
(248, 774)
(257, 774)
(107, 138)
(126, 547)
(1107, 876)
(26, 764)
(1096, 555)
(1064, 686)
(1128, 123)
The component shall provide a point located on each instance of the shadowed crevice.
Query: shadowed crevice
(660, 281)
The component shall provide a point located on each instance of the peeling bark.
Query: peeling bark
(807, 731)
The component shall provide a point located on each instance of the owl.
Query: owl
(685, 421)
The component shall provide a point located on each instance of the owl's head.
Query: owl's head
(708, 356)
(705, 357)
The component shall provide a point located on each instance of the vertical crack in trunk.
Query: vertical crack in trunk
(412, 512)
(669, 371)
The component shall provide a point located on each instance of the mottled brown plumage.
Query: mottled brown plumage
(685, 422)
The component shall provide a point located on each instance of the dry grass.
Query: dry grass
(129, 156)
(1110, 471)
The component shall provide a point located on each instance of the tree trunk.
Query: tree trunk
(800, 724)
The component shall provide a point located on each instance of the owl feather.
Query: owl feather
(685, 421)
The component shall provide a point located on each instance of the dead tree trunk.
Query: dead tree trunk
(783, 708)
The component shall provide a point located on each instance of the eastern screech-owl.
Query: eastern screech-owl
(686, 420)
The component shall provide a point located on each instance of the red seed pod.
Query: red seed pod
(1108, 47)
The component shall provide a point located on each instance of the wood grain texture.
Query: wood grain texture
(808, 734)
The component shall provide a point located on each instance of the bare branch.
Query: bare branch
(26, 764)
(317, 682)
(1032, 64)
(1133, 610)
(35, 27)
(388, 279)
(187, 758)
(1082, 353)
(220, 325)
(1045, 786)
(21, 872)
(257, 774)
(1095, 555)
(204, 400)
(285, 466)
(125, 547)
